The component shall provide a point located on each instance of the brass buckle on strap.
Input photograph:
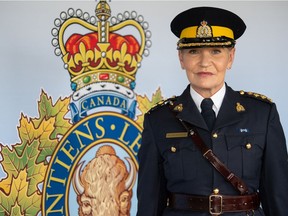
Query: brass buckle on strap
(212, 210)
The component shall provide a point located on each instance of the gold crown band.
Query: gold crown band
(199, 44)
(218, 31)
(103, 76)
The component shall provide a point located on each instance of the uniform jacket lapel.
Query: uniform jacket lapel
(227, 114)
(190, 113)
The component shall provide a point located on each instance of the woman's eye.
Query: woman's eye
(193, 51)
(216, 51)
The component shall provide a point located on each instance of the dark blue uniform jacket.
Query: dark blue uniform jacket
(250, 142)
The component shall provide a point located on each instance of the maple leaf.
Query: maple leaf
(25, 163)
(144, 104)
(12, 164)
(35, 170)
(31, 203)
(26, 130)
(47, 145)
(47, 110)
(51, 122)
(60, 110)
(18, 199)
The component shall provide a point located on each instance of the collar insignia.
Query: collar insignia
(239, 108)
(178, 108)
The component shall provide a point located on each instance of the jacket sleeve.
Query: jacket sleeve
(151, 189)
(274, 179)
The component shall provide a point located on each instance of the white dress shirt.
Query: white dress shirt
(217, 99)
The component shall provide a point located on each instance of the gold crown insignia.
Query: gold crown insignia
(102, 54)
(204, 30)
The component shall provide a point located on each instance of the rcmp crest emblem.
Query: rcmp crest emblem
(79, 155)
(94, 168)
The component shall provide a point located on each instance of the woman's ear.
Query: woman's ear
(231, 57)
(180, 56)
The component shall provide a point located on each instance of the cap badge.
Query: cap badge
(204, 30)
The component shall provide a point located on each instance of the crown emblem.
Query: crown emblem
(204, 30)
(101, 56)
(101, 53)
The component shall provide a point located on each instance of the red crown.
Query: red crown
(102, 53)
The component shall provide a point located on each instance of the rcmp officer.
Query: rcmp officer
(212, 150)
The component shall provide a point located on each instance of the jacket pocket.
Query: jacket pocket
(245, 154)
(180, 160)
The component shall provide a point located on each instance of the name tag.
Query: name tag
(177, 135)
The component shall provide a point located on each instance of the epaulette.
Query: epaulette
(162, 103)
(256, 95)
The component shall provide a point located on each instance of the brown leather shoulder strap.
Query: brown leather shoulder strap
(217, 164)
(236, 182)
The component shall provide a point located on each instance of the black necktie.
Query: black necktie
(208, 113)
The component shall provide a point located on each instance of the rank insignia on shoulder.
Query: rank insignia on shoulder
(256, 95)
(162, 103)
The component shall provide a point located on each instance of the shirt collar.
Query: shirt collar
(217, 98)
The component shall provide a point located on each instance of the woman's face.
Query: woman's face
(206, 67)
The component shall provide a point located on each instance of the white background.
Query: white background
(28, 63)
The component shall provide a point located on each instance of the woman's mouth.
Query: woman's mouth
(205, 73)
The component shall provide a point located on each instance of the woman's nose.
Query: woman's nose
(205, 59)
